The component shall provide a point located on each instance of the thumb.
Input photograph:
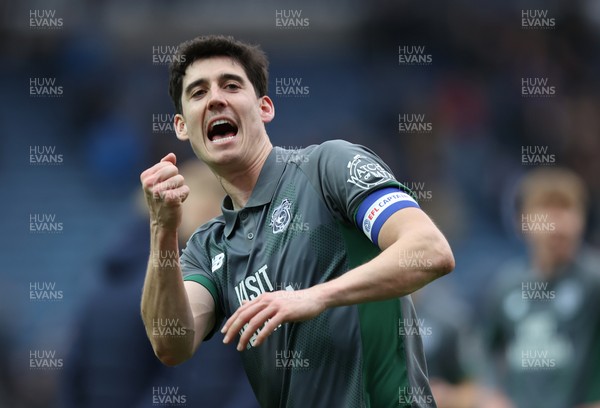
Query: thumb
(170, 158)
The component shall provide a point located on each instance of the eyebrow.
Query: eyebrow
(203, 81)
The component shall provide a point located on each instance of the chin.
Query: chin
(224, 158)
(563, 257)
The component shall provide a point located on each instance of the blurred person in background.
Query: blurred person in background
(445, 325)
(112, 364)
(542, 329)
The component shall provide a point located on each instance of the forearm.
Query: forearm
(165, 306)
(405, 266)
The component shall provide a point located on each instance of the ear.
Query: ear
(180, 127)
(267, 109)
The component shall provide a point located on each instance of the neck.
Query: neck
(546, 264)
(239, 183)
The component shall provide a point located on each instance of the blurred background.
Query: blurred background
(460, 99)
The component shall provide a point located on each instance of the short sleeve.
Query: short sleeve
(356, 185)
(195, 267)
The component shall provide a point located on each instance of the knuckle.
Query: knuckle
(243, 317)
(156, 189)
(254, 320)
(152, 180)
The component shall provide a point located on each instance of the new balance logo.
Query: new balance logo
(217, 261)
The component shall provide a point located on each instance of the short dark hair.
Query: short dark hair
(250, 57)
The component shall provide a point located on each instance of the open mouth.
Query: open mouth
(222, 130)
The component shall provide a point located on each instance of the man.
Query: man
(543, 322)
(317, 303)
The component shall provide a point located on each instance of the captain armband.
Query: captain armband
(377, 207)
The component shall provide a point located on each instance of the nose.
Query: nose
(216, 98)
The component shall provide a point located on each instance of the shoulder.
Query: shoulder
(209, 231)
(337, 144)
(198, 247)
(330, 155)
(331, 148)
(588, 260)
(334, 148)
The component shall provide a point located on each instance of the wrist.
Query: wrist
(163, 235)
(324, 294)
(162, 229)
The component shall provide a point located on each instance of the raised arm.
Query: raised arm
(177, 315)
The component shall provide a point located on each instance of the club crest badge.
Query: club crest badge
(281, 216)
(365, 173)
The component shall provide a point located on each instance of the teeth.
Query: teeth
(220, 122)
(223, 139)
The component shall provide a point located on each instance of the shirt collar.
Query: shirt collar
(263, 191)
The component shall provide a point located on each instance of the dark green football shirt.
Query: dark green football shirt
(544, 335)
(313, 215)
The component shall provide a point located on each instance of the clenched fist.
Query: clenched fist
(165, 191)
